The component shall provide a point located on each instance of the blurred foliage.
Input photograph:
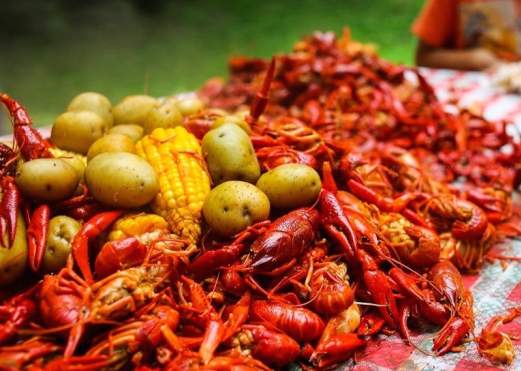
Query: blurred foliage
(54, 49)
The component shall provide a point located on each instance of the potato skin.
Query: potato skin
(164, 115)
(232, 119)
(13, 261)
(60, 234)
(234, 205)
(131, 183)
(133, 109)
(134, 132)
(47, 179)
(94, 102)
(189, 105)
(290, 186)
(111, 143)
(76, 131)
(230, 155)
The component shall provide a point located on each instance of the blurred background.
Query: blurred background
(52, 50)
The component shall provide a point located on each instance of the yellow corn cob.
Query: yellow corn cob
(176, 156)
(137, 225)
(58, 152)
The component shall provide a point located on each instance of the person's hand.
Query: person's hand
(484, 59)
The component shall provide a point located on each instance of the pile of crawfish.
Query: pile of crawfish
(411, 196)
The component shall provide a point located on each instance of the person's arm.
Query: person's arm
(459, 59)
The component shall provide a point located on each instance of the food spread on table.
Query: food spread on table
(285, 216)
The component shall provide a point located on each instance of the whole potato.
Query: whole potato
(111, 143)
(60, 234)
(14, 260)
(77, 161)
(232, 119)
(134, 132)
(290, 186)
(189, 105)
(233, 206)
(76, 131)
(133, 109)
(94, 102)
(47, 179)
(132, 182)
(164, 115)
(230, 155)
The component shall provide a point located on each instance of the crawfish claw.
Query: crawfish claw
(450, 335)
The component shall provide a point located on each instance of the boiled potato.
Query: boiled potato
(60, 234)
(76, 131)
(121, 179)
(189, 105)
(93, 102)
(133, 109)
(232, 119)
(134, 132)
(230, 155)
(77, 161)
(47, 179)
(234, 205)
(111, 143)
(290, 186)
(164, 115)
(14, 260)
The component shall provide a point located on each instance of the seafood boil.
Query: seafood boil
(287, 215)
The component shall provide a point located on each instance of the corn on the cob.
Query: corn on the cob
(176, 156)
(137, 225)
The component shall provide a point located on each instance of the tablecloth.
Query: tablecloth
(495, 288)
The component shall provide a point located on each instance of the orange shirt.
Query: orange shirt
(493, 24)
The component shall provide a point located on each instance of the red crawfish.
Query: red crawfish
(276, 243)
(136, 339)
(11, 198)
(447, 279)
(29, 354)
(339, 339)
(69, 302)
(273, 348)
(190, 361)
(271, 157)
(285, 239)
(133, 251)
(299, 323)
(462, 218)
(91, 229)
(330, 292)
(449, 304)
(16, 312)
(32, 146)
(197, 310)
(416, 246)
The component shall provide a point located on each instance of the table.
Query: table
(495, 289)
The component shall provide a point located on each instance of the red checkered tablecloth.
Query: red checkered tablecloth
(496, 288)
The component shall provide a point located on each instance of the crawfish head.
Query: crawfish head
(286, 238)
(118, 295)
(62, 298)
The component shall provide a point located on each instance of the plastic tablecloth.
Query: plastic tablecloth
(495, 288)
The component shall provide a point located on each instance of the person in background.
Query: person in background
(468, 34)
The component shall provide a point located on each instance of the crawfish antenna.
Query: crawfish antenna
(260, 101)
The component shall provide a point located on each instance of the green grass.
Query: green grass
(117, 50)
